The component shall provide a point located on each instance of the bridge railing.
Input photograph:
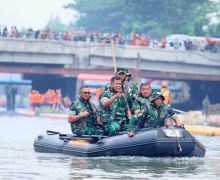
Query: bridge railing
(34, 46)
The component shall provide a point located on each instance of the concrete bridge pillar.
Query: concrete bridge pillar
(10, 92)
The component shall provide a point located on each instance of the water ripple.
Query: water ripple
(19, 161)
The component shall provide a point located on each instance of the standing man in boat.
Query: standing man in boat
(121, 73)
(114, 110)
(130, 88)
(83, 115)
(157, 114)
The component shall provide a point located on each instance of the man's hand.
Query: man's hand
(74, 118)
(84, 114)
(129, 114)
(168, 122)
(118, 95)
(131, 133)
(177, 121)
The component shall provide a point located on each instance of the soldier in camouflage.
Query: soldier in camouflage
(121, 73)
(114, 111)
(130, 88)
(158, 114)
(142, 100)
(83, 115)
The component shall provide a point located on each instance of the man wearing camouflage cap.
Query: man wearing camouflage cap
(155, 115)
(121, 73)
(130, 88)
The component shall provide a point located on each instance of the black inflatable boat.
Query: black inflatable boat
(151, 142)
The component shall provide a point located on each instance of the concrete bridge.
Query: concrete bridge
(69, 57)
(40, 59)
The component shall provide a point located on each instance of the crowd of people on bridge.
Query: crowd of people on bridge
(123, 106)
(133, 39)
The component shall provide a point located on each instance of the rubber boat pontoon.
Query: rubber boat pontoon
(151, 142)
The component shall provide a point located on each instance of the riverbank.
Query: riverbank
(24, 112)
(196, 123)
(197, 118)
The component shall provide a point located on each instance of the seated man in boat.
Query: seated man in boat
(129, 87)
(142, 100)
(83, 115)
(114, 110)
(157, 114)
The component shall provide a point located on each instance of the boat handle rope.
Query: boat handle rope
(179, 147)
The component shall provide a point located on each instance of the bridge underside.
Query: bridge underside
(42, 83)
(67, 71)
(55, 77)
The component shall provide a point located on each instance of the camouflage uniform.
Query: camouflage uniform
(84, 125)
(108, 87)
(140, 102)
(114, 117)
(152, 116)
(130, 88)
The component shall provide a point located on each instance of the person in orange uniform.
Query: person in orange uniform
(166, 92)
(167, 95)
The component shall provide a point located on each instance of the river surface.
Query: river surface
(18, 160)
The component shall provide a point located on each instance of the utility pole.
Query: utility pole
(138, 71)
(113, 56)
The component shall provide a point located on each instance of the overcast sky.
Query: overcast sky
(32, 13)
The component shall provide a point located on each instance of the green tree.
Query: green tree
(144, 16)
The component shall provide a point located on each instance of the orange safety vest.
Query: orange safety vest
(166, 94)
(37, 98)
(52, 99)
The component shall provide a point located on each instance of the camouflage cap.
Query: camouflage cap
(122, 70)
(155, 95)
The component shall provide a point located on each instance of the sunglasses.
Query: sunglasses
(86, 92)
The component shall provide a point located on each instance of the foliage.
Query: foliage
(144, 16)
